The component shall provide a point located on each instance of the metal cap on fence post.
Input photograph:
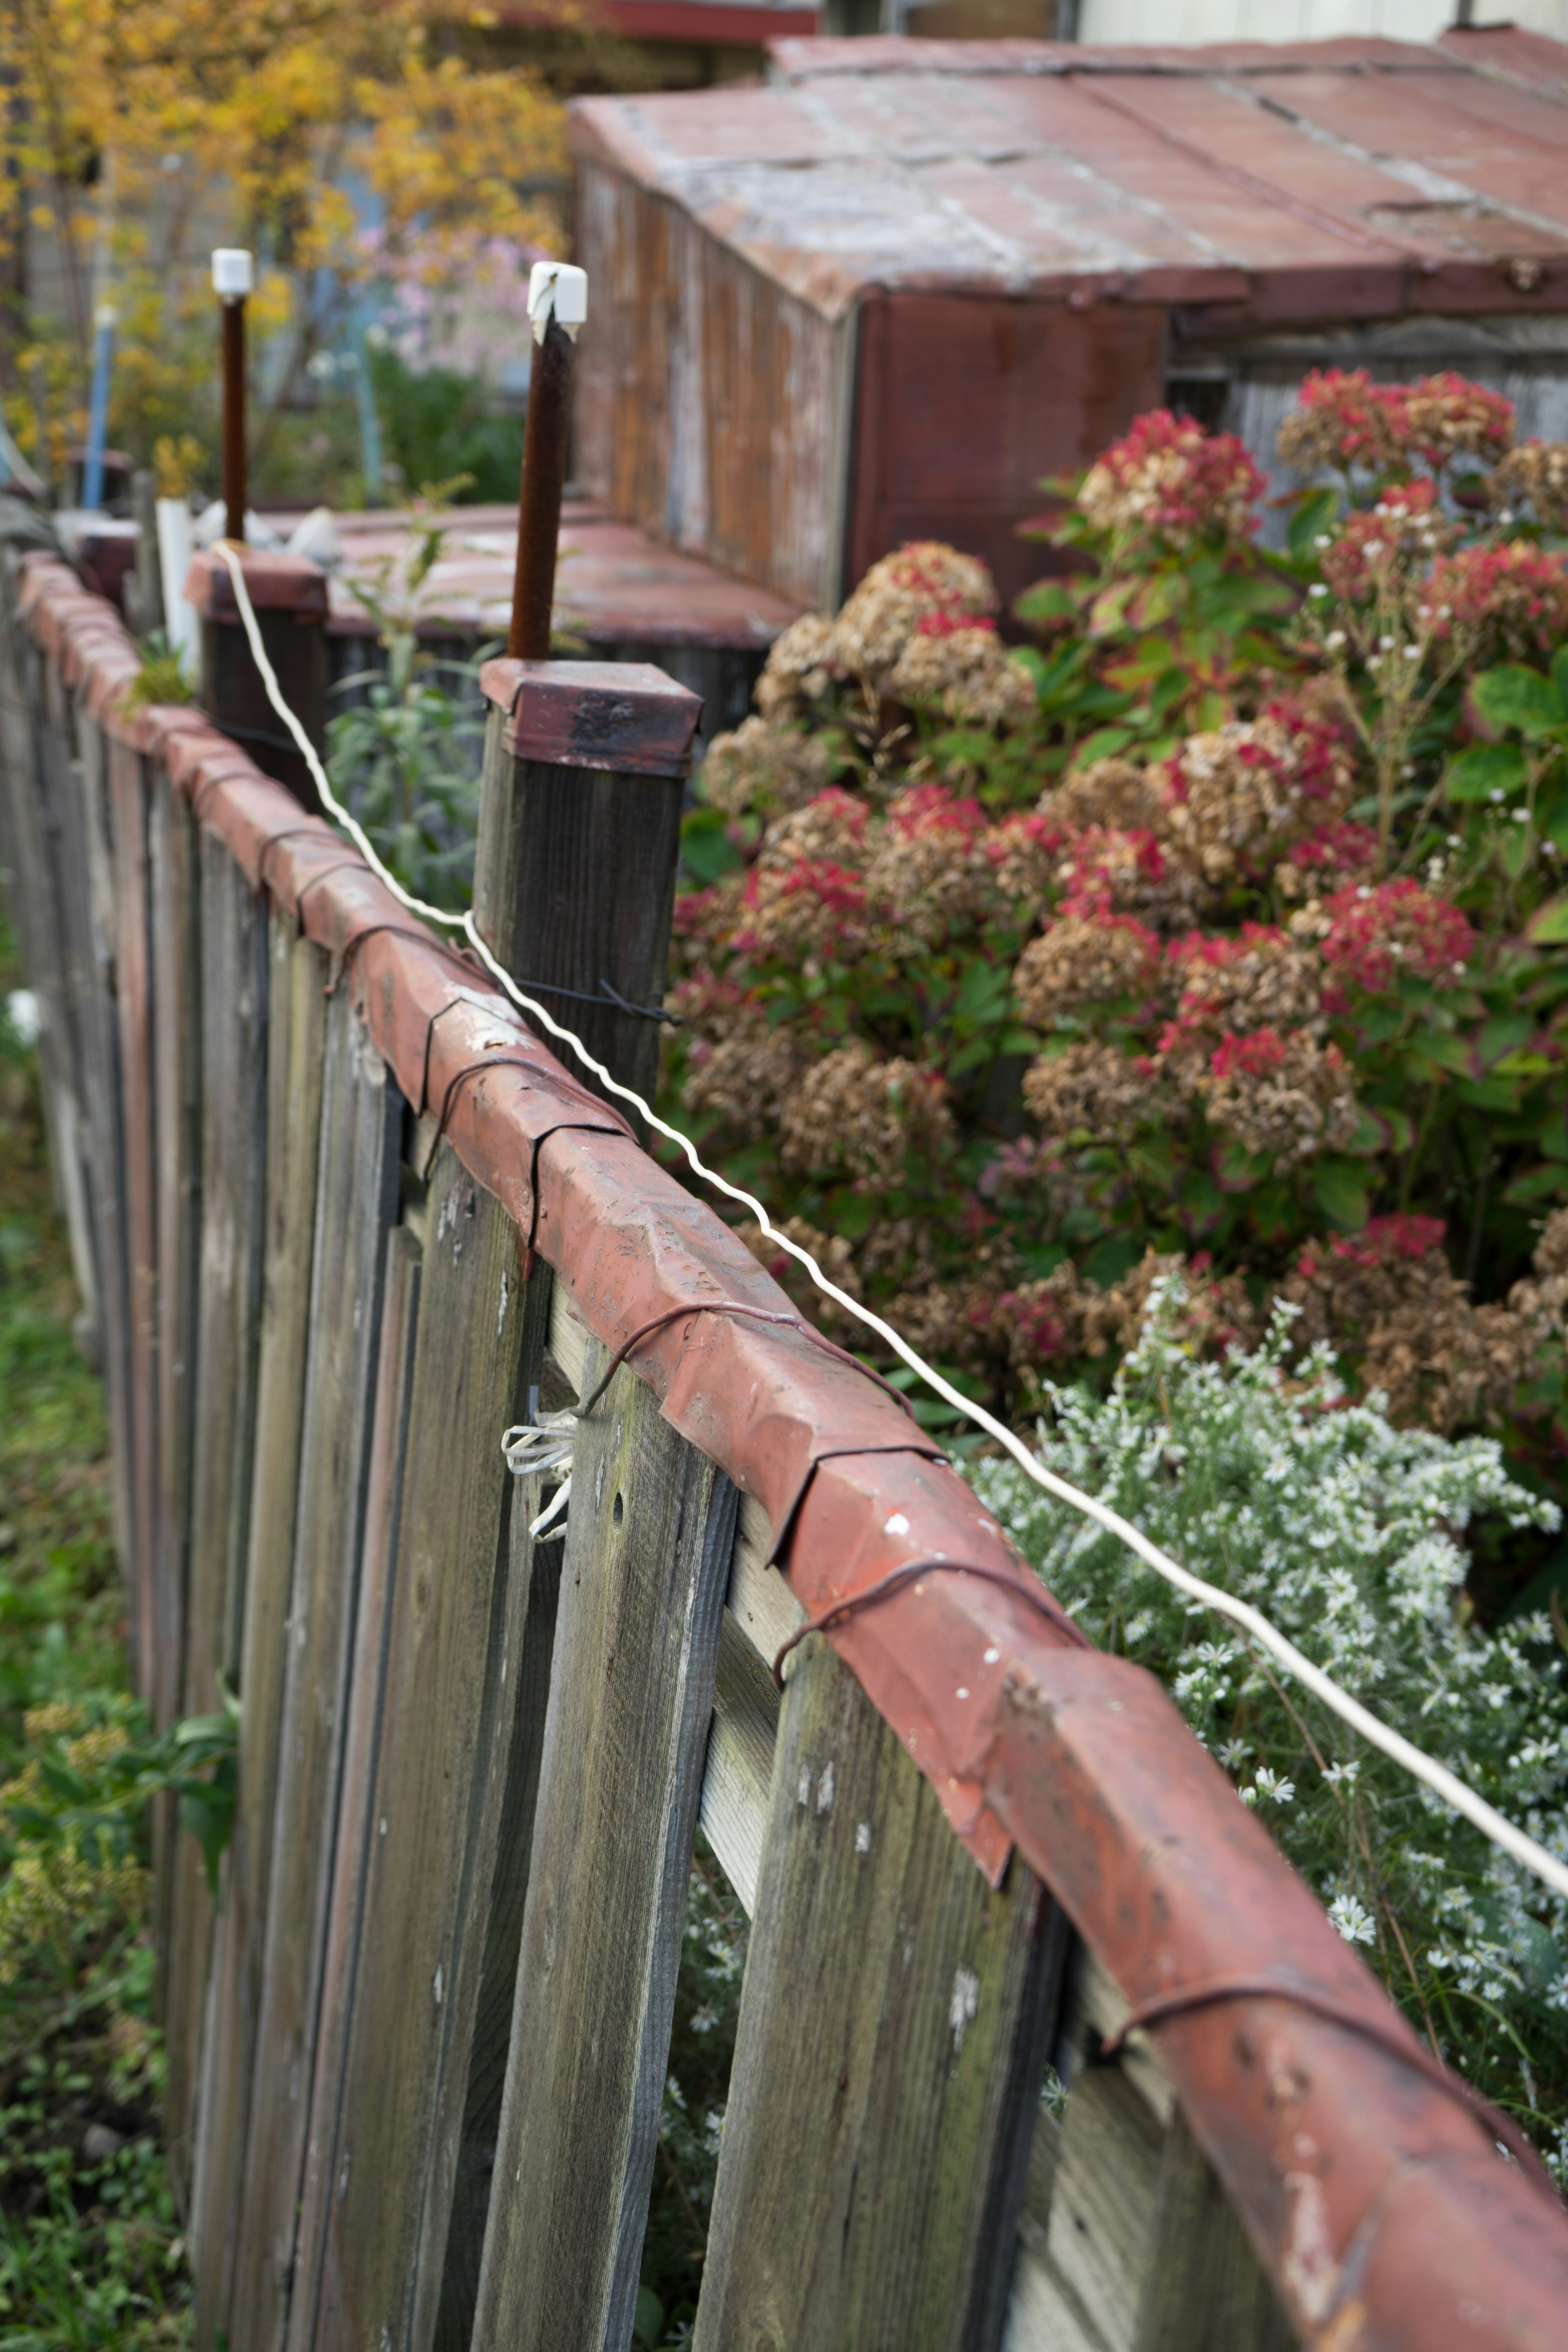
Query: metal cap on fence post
(585, 772)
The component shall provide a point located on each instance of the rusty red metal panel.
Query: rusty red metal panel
(276, 583)
(623, 716)
(1382, 2211)
(964, 403)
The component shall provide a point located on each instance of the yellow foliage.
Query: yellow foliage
(53, 1895)
(144, 132)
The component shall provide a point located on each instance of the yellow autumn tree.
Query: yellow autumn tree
(341, 139)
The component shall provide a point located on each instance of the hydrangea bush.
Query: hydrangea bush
(1218, 928)
(1260, 1474)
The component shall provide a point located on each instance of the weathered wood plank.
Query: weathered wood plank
(176, 1083)
(234, 977)
(1204, 2289)
(362, 1743)
(356, 1203)
(892, 2035)
(533, 1602)
(295, 1054)
(426, 1908)
(647, 1553)
(127, 804)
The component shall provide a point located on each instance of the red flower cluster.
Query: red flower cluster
(1109, 867)
(1443, 414)
(930, 811)
(1380, 1240)
(1515, 595)
(1168, 476)
(1375, 932)
(1255, 1056)
(1345, 847)
(1345, 419)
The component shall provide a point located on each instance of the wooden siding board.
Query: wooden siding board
(965, 401)
(649, 1536)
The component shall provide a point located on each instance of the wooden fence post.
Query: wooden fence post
(288, 595)
(578, 834)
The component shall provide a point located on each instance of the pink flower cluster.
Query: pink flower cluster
(1376, 931)
(1255, 1056)
(1398, 535)
(1171, 477)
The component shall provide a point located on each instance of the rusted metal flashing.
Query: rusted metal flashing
(626, 716)
(1385, 2222)
(276, 583)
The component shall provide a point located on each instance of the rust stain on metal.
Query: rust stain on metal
(1384, 2215)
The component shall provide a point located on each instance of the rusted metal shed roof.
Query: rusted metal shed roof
(613, 582)
(1352, 178)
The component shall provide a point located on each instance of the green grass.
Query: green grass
(90, 2252)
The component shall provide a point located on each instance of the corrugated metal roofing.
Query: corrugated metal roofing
(1411, 178)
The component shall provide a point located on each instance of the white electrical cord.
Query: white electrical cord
(1415, 1760)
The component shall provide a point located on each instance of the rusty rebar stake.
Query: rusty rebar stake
(234, 485)
(539, 504)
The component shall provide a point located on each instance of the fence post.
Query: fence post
(290, 595)
(578, 834)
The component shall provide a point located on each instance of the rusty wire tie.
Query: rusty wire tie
(1032, 1596)
(1161, 2007)
(754, 1315)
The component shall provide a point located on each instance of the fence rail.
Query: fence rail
(341, 1219)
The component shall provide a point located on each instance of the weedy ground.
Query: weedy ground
(90, 2252)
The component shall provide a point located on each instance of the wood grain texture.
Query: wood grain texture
(295, 1054)
(425, 1905)
(532, 1600)
(737, 1776)
(361, 1744)
(126, 799)
(176, 1083)
(234, 1007)
(356, 1203)
(648, 1554)
(893, 2027)
(573, 884)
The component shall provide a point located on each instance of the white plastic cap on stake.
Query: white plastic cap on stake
(558, 287)
(233, 273)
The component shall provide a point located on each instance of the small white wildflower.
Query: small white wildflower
(1317, 589)
(1353, 1920)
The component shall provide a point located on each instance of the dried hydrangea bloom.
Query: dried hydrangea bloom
(1343, 419)
(1542, 1303)
(852, 1111)
(963, 670)
(1024, 851)
(798, 672)
(1503, 600)
(924, 580)
(831, 824)
(1086, 960)
(1382, 549)
(764, 767)
(1113, 793)
(1238, 796)
(1101, 870)
(1446, 415)
(929, 872)
(1535, 476)
(1216, 1312)
(1327, 858)
(1100, 1091)
(709, 1004)
(702, 921)
(1375, 931)
(1388, 1299)
(800, 907)
(1170, 480)
(1232, 982)
(744, 1078)
(1287, 1096)
(1043, 1322)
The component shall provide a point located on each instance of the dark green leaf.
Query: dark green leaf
(1514, 696)
(1340, 1186)
(1483, 769)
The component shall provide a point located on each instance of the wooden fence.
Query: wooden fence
(342, 1219)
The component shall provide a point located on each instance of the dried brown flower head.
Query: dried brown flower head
(1099, 1090)
(798, 672)
(1085, 960)
(855, 1112)
(1535, 476)
(1288, 1096)
(965, 671)
(925, 581)
(1236, 797)
(763, 767)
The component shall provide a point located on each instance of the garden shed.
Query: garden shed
(880, 297)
